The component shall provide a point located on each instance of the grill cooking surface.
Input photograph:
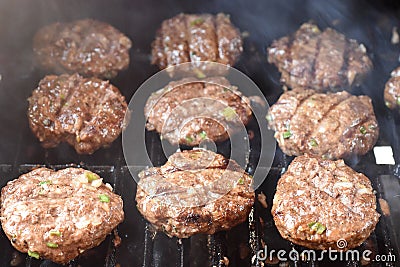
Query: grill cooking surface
(262, 22)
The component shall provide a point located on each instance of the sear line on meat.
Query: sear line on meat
(189, 111)
(196, 191)
(331, 126)
(321, 60)
(196, 37)
(87, 113)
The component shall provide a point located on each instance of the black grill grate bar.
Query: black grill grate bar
(148, 246)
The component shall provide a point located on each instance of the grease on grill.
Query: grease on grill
(262, 198)
(385, 208)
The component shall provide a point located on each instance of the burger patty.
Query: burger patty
(89, 47)
(320, 202)
(57, 215)
(87, 113)
(331, 126)
(392, 90)
(188, 111)
(324, 61)
(196, 191)
(196, 37)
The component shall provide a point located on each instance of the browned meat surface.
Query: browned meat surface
(58, 215)
(196, 37)
(331, 126)
(88, 47)
(188, 112)
(324, 61)
(196, 191)
(87, 113)
(318, 202)
(392, 90)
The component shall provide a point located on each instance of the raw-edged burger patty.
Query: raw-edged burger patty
(321, 60)
(320, 202)
(196, 191)
(392, 90)
(189, 111)
(331, 126)
(196, 37)
(88, 47)
(87, 113)
(57, 215)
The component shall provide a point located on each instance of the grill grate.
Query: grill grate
(142, 246)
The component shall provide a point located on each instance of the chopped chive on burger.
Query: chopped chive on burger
(203, 135)
(33, 254)
(104, 198)
(196, 22)
(55, 232)
(363, 130)
(44, 182)
(229, 113)
(313, 142)
(51, 245)
(91, 176)
(317, 227)
(199, 74)
(189, 139)
(241, 181)
(287, 134)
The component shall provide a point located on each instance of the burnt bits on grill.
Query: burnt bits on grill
(319, 202)
(196, 191)
(196, 37)
(88, 47)
(58, 215)
(87, 113)
(331, 126)
(189, 111)
(392, 90)
(324, 61)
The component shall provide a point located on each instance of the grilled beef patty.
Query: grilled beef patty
(319, 202)
(58, 215)
(196, 37)
(332, 126)
(324, 61)
(89, 47)
(87, 113)
(188, 111)
(392, 90)
(196, 191)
